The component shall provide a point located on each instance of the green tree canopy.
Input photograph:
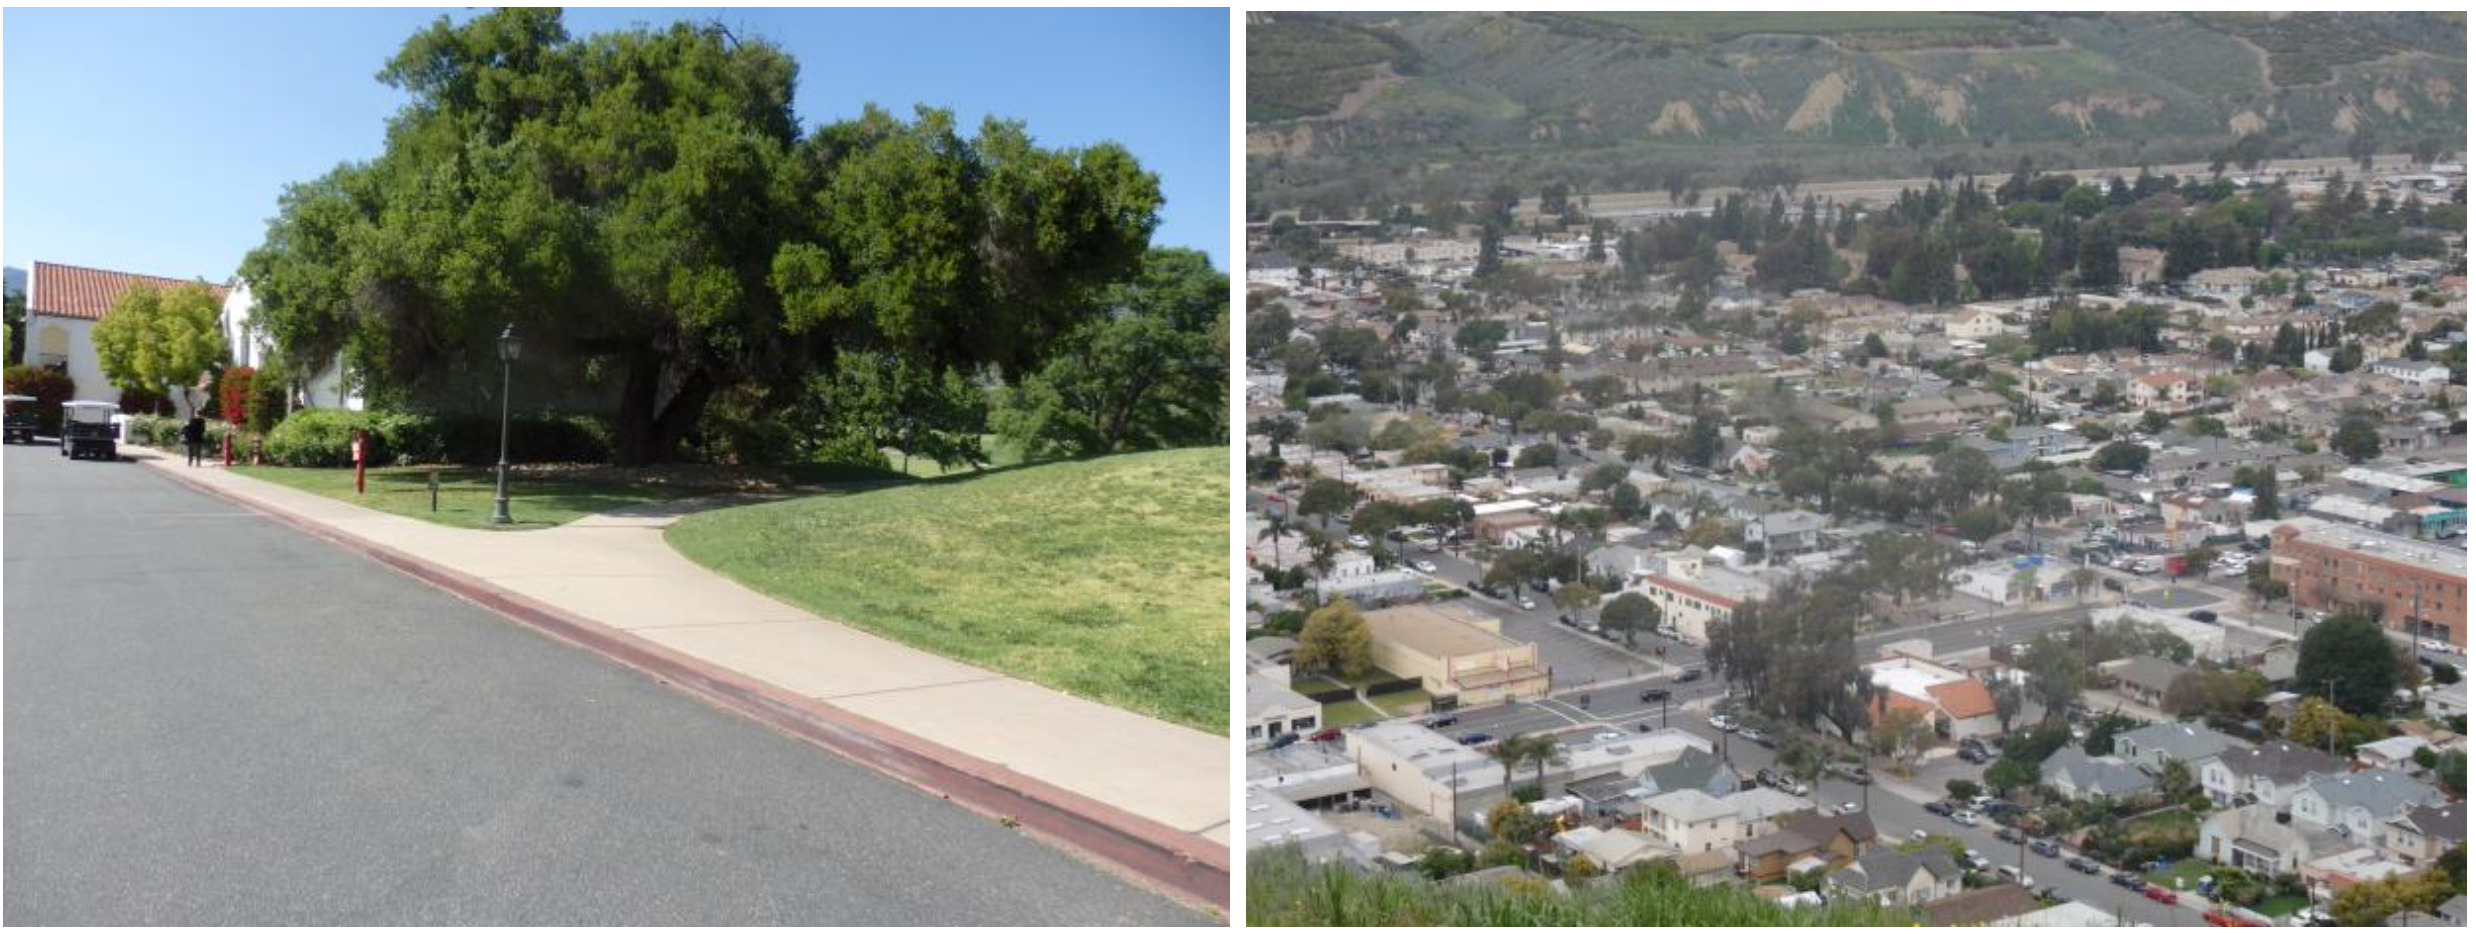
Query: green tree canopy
(2347, 659)
(158, 338)
(644, 208)
(1151, 372)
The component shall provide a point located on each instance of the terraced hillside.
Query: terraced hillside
(1354, 109)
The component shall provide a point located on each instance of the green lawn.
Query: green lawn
(2280, 906)
(1315, 685)
(1104, 578)
(1401, 703)
(1351, 713)
(2188, 870)
(465, 494)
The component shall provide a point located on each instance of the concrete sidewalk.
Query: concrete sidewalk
(616, 572)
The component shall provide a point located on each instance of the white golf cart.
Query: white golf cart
(87, 432)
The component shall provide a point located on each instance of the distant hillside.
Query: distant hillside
(1357, 108)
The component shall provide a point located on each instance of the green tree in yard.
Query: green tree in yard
(2007, 774)
(2122, 456)
(1629, 613)
(1326, 497)
(1336, 640)
(1792, 654)
(1150, 372)
(13, 311)
(2055, 668)
(1377, 518)
(1479, 338)
(2347, 659)
(158, 339)
(1575, 597)
(2358, 438)
(874, 401)
(644, 207)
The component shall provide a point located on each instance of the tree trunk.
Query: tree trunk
(648, 429)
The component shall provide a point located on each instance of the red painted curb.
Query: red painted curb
(1154, 854)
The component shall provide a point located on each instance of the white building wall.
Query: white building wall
(250, 348)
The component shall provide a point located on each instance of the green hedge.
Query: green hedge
(162, 431)
(323, 438)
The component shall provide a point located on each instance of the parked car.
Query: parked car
(1284, 739)
(1754, 735)
(1723, 723)
(1359, 541)
(1965, 818)
(2126, 878)
(2082, 864)
(1425, 567)
(1940, 808)
(2009, 835)
(1525, 603)
(2159, 894)
(1442, 722)
(1326, 735)
(2045, 848)
(1850, 807)
(1476, 739)
(1654, 694)
(1689, 675)
(2203, 616)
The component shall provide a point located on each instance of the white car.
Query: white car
(1526, 604)
(1849, 807)
(1965, 818)
(1425, 567)
(1606, 737)
(1359, 541)
(1917, 835)
(1723, 723)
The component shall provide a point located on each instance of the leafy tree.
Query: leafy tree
(1537, 455)
(2347, 658)
(2055, 669)
(1962, 788)
(2320, 724)
(2358, 438)
(2008, 773)
(1336, 640)
(1575, 597)
(1151, 372)
(869, 402)
(1479, 338)
(13, 312)
(156, 339)
(2121, 456)
(1793, 654)
(643, 207)
(1629, 613)
(1327, 497)
(1442, 862)
(2101, 741)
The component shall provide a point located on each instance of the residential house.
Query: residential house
(2144, 679)
(1980, 907)
(1611, 850)
(1959, 706)
(1891, 877)
(1689, 821)
(2165, 390)
(1790, 532)
(1805, 841)
(2397, 752)
(2255, 838)
(2423, 833)
(2079, 776)
(2270, 773)
(2153, 746)
(2360, 805)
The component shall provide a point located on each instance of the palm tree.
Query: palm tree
(1510, 752)
(1543, 751)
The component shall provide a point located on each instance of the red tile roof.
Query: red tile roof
(79, 292)
(1964, 699)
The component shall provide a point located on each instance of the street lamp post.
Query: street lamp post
(509, 347)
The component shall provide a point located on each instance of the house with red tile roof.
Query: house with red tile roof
(1959, 706)
(62, 305)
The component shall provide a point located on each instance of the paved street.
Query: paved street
(212, 719)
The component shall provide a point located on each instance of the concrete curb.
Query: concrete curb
(1148, 852)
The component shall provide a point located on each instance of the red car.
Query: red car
(2159, 894)
(2222, 919)
(1326, 735)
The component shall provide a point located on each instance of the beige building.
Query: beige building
(1425, 771)
(1455, 651)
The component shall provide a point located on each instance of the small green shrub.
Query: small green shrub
(406, 438)
(319, 438)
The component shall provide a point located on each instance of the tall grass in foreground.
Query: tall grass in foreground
(1284, 891)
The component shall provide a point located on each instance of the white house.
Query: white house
(62, 305)
(251, 346)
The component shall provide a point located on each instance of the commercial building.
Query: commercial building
(1456, 652)
(2414, 587)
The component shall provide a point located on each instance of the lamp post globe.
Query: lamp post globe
(510, 347)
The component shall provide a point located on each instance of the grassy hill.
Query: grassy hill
(1106, 578)
(1347, 110)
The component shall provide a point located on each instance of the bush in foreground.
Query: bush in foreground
(1284, 891)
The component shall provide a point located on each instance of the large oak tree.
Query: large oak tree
(645, 208)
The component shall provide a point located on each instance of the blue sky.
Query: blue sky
(156, 141)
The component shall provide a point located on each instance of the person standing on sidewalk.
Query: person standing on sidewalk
(194, 435)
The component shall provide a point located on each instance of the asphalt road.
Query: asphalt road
(212, 720)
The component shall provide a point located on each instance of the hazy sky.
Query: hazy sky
(156, 141)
